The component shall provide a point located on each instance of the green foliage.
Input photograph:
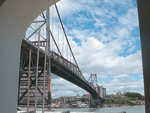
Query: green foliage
(119, 102)
(84, 99)
(69, 102)
(134, 96)
(125, 100)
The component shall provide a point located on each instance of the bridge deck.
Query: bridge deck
(59, 66)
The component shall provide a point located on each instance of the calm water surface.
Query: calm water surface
(139, 109)
(135, 109)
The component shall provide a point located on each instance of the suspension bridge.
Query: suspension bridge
(15, 18)
(45, 50)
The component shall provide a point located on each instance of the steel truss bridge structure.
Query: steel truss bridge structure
(15, 17)
(43, 45)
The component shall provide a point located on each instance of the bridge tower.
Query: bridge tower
(93, 80)
(36, 80)
(60, 61)
(49, 61)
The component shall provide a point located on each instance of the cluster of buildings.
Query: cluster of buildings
(71, 101)
(117, 94)
(77, 101)
(140, 102)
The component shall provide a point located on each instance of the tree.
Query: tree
(137, 96)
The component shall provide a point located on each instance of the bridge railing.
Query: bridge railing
(66, 63)
(71, 67)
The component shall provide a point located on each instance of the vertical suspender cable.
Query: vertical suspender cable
(35, 28)
(37, 66)
(55, 42)
(70, 57)
(64, 48)
(58, 32)
(67, 52)
(63, 45)
(50, 26)
(29, 79)
(66, 36)
(44, 30)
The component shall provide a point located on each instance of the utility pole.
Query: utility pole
(48, 61)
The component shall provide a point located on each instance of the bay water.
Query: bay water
(134, 109)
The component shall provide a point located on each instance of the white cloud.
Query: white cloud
(99, 23)
(120, 85)
(61, 87)
(131, 49)
(95, 56)
(101, 47)
(130, 19)
(69, 7)
(121, 76)
(99, 51)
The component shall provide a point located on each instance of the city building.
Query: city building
(104, 92)
(118, 93)
(101, 91)
(55, 105)
(86, 96)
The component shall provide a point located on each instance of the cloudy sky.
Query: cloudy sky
(104, 36)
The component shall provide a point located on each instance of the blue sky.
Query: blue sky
(104, 36)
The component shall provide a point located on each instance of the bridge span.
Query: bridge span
(15, 18)
(56, 60)
(59, 66)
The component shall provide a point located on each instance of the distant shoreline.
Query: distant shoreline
(125, 106)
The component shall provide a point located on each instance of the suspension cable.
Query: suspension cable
(58, 33)
(65, 35)
(50, 27)
(63, 44)
(52, 24)
(55, 42)
(35, 28)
